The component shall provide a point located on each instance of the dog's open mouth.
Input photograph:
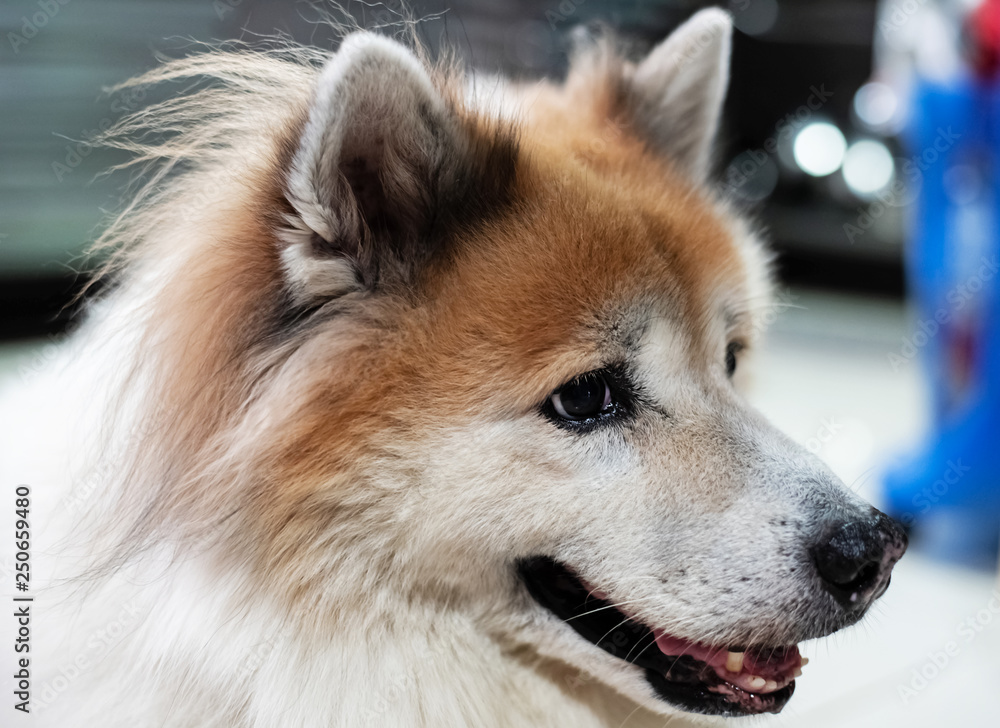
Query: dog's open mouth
(700, 678)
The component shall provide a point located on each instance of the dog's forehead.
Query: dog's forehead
(587, 258)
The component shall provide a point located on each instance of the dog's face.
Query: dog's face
(510, 384)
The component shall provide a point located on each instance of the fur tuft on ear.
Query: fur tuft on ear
(365, 176)
(678, 90)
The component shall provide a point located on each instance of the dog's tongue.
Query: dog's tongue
(758, 670)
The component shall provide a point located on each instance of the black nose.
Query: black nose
(856, 557)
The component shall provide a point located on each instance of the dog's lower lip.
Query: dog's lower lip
(689, 675)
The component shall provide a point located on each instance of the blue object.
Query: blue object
(949, 493)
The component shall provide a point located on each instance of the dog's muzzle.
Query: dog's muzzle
(852, 558)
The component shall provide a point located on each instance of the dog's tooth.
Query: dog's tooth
(734, 662)
(803, 662)
(797, 672)
(756, 682)
(770, 686)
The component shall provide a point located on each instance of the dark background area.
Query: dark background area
(52, 198)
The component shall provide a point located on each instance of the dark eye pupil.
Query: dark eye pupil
(584, 397)
(731, 351)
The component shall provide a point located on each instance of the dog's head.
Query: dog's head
(498, 372)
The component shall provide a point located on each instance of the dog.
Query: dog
(415, 401)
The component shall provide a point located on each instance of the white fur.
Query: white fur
(681, 85)
(171, 644)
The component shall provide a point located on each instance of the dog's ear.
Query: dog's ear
(678, 89)
(365, 177)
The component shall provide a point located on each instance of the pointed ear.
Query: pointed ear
(679, 88)
(376, 148)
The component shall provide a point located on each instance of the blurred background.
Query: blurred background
(864, 138)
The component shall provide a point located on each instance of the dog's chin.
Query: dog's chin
(694, 677)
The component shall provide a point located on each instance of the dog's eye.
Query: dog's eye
(732, 350)
(585, 397)
(599, 398)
